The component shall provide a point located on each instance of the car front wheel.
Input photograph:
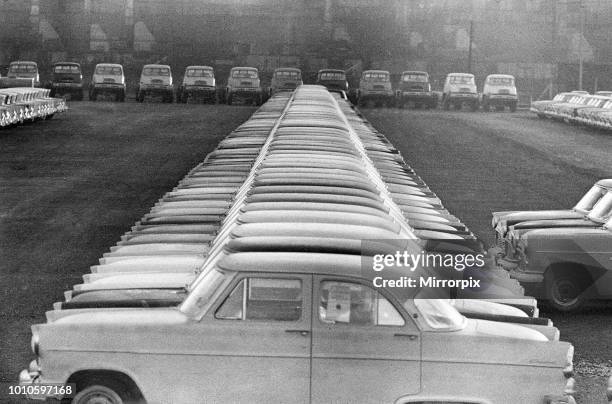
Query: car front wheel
(564, 291)
(97, 394)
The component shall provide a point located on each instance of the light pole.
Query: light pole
(580, 58)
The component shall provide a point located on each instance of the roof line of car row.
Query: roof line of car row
(21, 104)
(290, 196)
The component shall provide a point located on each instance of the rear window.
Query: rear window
(500, 81)
(461, 80)
(244, 74)
(332, 76)
(22, 68)
(109, 70)
(287, 74)
(195, 72)
(376, 76)
(66, 69)
(422, 78)
(156, 71)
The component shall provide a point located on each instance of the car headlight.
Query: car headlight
(568, 371)
(35, 344)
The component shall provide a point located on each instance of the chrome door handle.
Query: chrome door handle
(411, 337)
(303, 333)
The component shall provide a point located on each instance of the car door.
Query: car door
(260, 339)
(363, 348)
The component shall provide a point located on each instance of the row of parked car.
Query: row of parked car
(246, 283)
(578, 107)
(243, 83)
(19, 105)
(564, 256)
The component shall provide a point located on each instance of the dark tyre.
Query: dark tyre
(140, 96)
(93, 96)
(446, 105)
(513, 107)
(121, 97)
(229, 99)
(98, 394)
(474, 106)
(565, 289)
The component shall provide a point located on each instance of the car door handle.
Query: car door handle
(303, 333)
(411, 337)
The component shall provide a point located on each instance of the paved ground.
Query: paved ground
(73, 185)
(483, 162)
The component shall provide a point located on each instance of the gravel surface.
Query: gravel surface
(483, 162)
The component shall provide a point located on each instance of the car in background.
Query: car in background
(499, 91)
(24, 70)
(333, 80)
(604, 93)
(108, 79)
(567, 265)
(286, 79)
(243, 83)
(414, 87)
(509, 225)
(198, 83)
(67, 78)
(375, 86)
(539, 107)
(460, 89)
(156, 80)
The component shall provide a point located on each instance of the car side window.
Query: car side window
(355, 304)
(263, 299)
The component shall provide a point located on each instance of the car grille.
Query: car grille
(109, 80)
(416, 88)
(378, 87)
(504, 91)
(201, 83)
(465, 90)
(157, 81)
(246, 83)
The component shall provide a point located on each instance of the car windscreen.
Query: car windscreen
(156, 71)
(602, 209)
(461, 80)
(244, 74)
(500, 81)
(22, 68)
(73, 69)
(199, 73)
(589, 199)
(421, 78)
(203, 290)
(332, 76)
(376, 76)
(109, 70)
(287, 75)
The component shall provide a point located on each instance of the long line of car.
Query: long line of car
(19, 105)
(243, 83)
(246, 283)
(578, 107)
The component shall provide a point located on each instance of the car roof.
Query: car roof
(606, 183)
(509, 76)
(376, 71)
(414, 72)
(244, 68)
(110, 64)
(67, 63)
(199, 67)
(292, 69)
(23, 62)
(292, 262)
(331, 71)
(156, 65)
(461, 74)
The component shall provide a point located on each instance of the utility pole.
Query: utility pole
(580, 58)
(469, 69)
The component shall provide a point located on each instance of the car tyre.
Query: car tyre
(446, 104)
(229, 99)
(98, 394)
(564, 290)
(513, 107)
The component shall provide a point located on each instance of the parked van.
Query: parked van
(108, 78)
(459, 90)
(24, 70)
(156, 80)
(499, 92)
(198, 83)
